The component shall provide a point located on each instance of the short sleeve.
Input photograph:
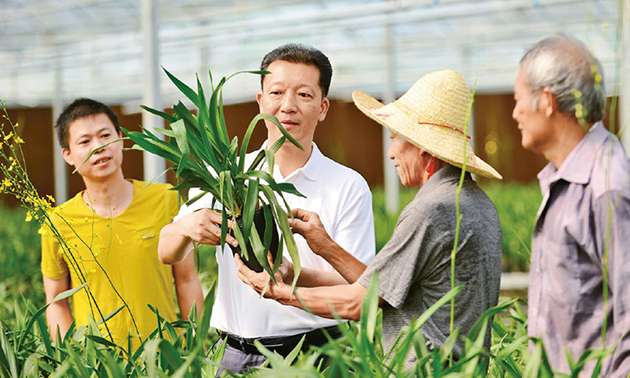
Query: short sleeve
(404, 258)
(203, 202)
(354, 231)
(52, 265)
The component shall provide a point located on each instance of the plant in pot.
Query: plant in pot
(203, 156)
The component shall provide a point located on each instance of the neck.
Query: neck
(568, 135)
(109, 197)
(289, 158)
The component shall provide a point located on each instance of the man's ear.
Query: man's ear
(547, 102)
(324, 109)
(65, 152)
(258, 100)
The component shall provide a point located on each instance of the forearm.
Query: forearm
(187, 295)
(314, 278)
(342, 300)
(58, 315)
(187, 287)
(348, 266)
(173, 246)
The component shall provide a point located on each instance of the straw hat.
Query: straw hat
(431, 115)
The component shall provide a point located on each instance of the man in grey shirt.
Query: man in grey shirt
(414, 267)
(583, 225)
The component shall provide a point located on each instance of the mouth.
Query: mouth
(288, 124)
(102, 160)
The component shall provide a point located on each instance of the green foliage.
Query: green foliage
(203, 157)
(20, 275)
(517, 205)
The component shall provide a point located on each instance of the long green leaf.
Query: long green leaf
(179, 128)
(283, 224)
(69, 293)
(168, 117)
(185, 89)
(249, 207)
(369, 309)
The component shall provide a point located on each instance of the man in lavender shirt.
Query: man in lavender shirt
(580, 263)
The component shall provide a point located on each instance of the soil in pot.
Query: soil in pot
(259, 223)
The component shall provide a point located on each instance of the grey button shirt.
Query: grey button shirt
(585, 211)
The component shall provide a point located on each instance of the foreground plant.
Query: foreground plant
(204, 157)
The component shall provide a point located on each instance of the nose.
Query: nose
(514, 113)
(390, 153)
(99, 146)
(288, 104)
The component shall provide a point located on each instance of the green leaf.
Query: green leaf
(102, 341)
(249, 207)
(95, 151)
(110, 315)
(283, 224)
(369, 309)
(204, 320)
(69, 293)
(179, 128)
(168, 117)
(185, 89)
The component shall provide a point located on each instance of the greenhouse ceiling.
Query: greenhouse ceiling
(58, 50)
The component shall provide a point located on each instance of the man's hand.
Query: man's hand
(262, 283)
(204, 227)
(308, 224)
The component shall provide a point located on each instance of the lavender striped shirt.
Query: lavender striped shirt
(585, 211)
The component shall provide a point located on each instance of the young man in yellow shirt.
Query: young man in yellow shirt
(111, 231)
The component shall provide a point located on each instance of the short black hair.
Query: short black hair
(299, 53)
(81, 108)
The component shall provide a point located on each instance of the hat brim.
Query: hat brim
(442, 142)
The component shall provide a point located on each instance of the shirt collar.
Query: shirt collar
(310, 170)
(447, 173)
(578, 165)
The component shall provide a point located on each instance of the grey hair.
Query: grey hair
(565, 66)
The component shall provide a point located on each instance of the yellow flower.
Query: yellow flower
(29, 216)
(8, 136)
(6, 182)
(18, 139)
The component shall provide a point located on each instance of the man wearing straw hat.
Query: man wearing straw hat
(580, 264)
(414, 267)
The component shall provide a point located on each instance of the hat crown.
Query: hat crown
(439, 97)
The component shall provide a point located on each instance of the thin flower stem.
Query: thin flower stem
(458, 213)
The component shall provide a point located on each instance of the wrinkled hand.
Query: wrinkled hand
(204, 227)
(308, 224)
(262, 283)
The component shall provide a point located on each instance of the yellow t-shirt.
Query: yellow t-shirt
(126, 248)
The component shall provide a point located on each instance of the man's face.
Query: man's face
(533, 124)
(291, 92)
(408, 161)
(86, 134)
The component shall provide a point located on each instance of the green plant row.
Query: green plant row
(189, 348)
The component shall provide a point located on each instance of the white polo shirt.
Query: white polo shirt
(343, 201)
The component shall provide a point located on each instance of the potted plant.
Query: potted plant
(203, 156)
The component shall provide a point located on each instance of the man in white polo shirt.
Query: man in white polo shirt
(295, 92)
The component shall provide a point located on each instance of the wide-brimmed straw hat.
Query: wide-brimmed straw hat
(431, 115)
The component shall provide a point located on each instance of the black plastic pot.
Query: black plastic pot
(259, 223)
